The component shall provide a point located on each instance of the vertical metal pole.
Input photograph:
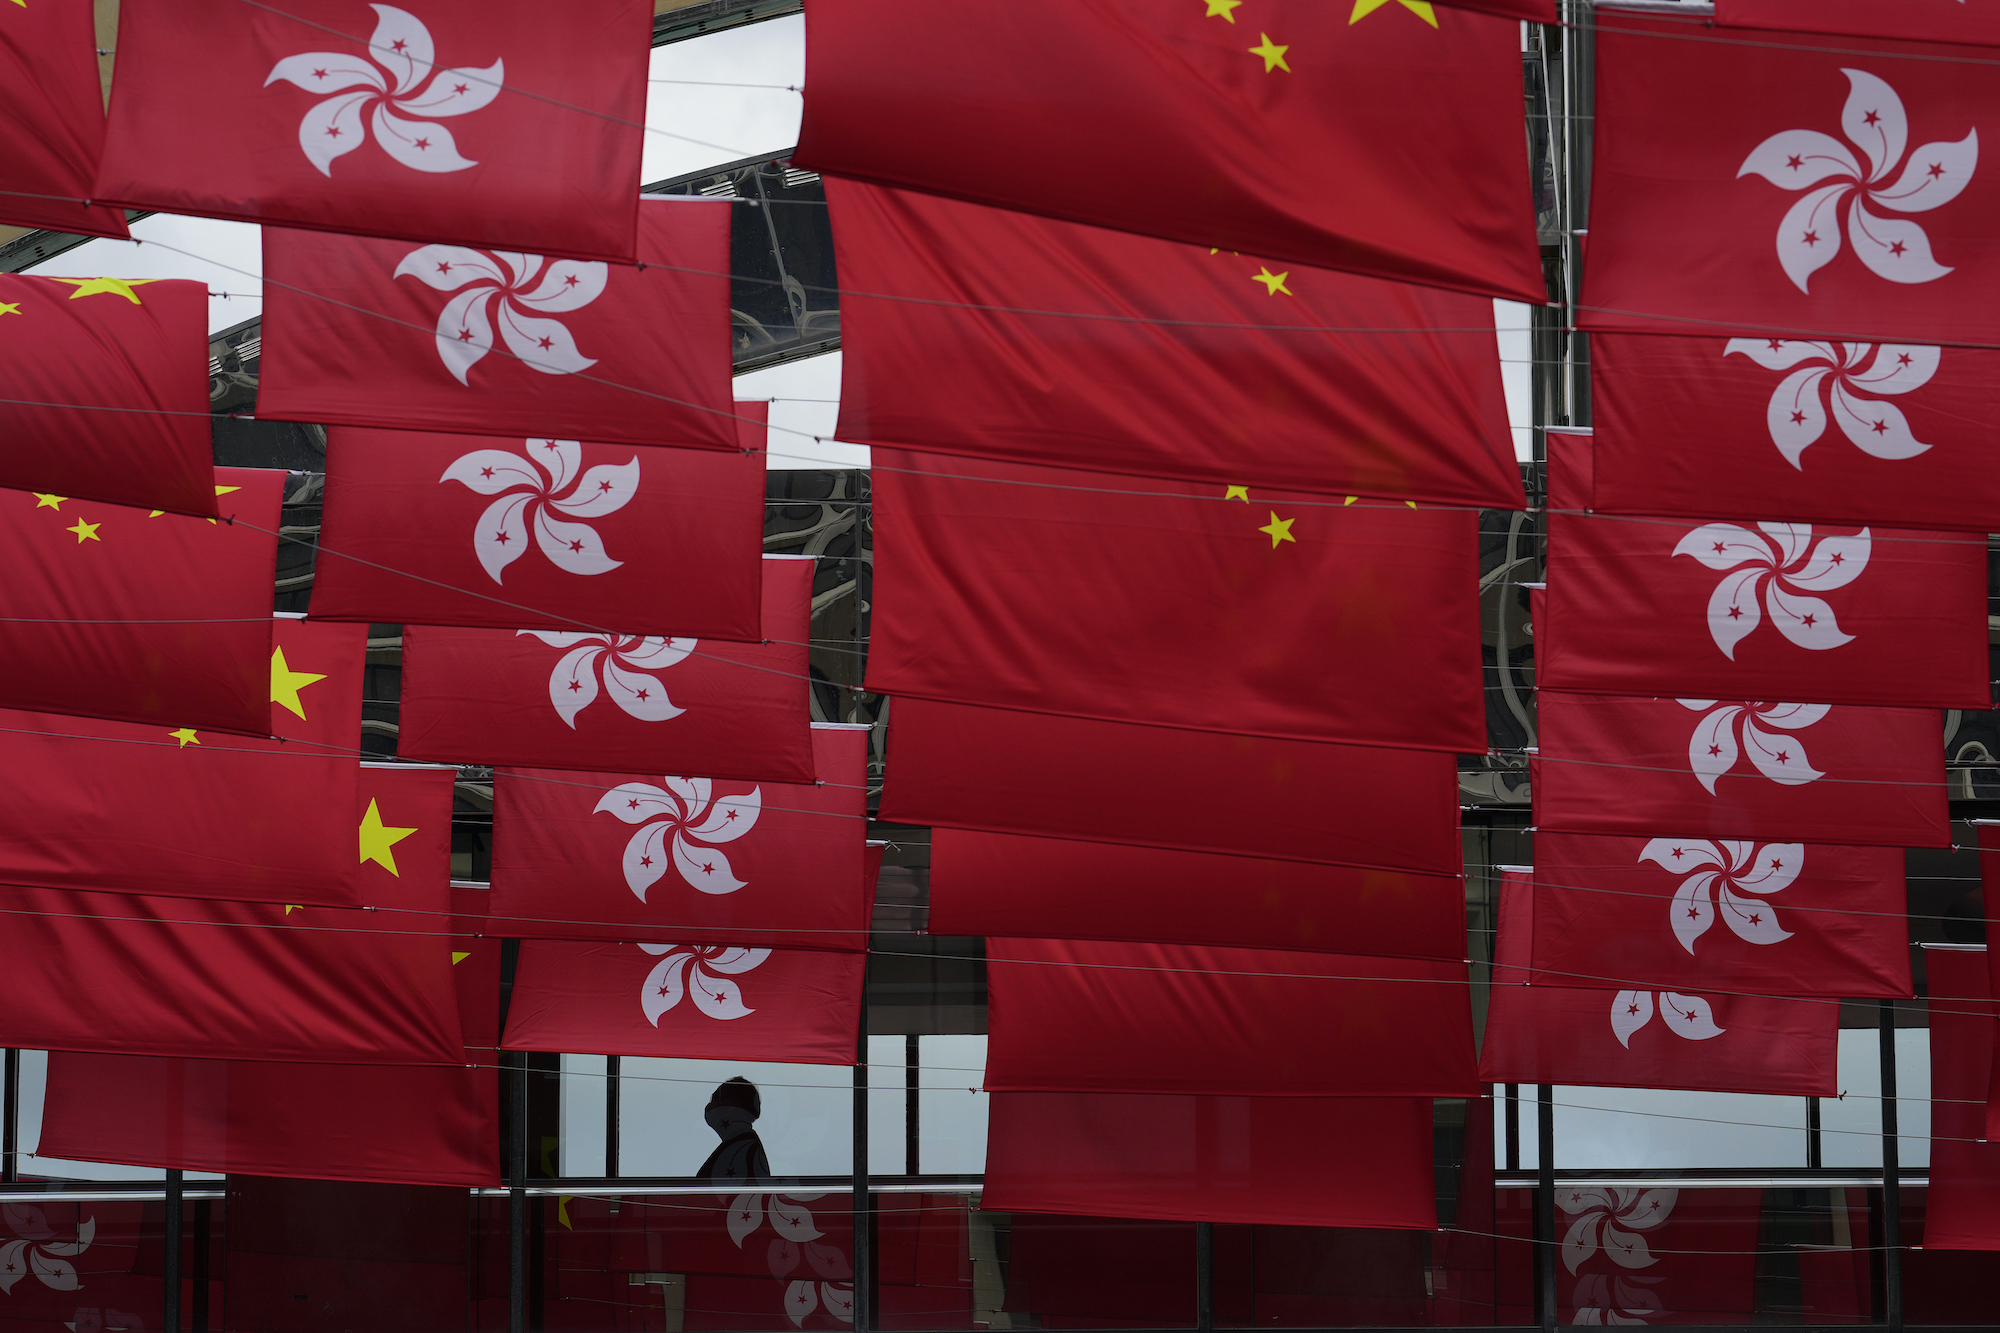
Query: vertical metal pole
(864, 1211)
(1579, 52)
(1513, 1126)
(1545, 1206)
(198, 1274)
(912, 1100)
(1204, 1277)
(1813, 1156)
(612, 1065)
(10, 1133)
(517, 1201)
(1892, 1184)
(170, 1268)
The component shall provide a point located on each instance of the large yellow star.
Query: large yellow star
(1222, 9)
(286, 683)
(54, 502)
(1273, 54)
(1237, 493)
(106, 286)
(1279, 530)
(1273, 282)
(1421, 8)
(6, 309)
(85, 532)
(377, 838)
(186, 737)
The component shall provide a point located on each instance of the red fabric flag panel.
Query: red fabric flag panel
(1038, 774)
(1189, 126)
(1075, 1016)
(1920, 20)
(618, 702)
(1158, 359)
(1740, 769)
(453, 338)
(448, 121)
(1287, 1161)
(617, 858)
(162, 619)
(1964, 1201)
(1635, 1254)
(431, 529)
(1040, 589)
(1796, 918)
(52, 119)
(696, 1001)
(108, 382)
(1000, 884)
(1779, 192)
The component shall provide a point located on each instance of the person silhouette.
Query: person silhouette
(731, 1112)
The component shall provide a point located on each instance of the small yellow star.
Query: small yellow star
(1273, 54)
(1222, 9)
(6, 309)
(286, 683)
(85, 532)
(186, 737)
(219, 490)
(294, 907)
(457, 957)
(377, 838)
(1279, 530)
(1237, 493)
(1421, 8)
(54, 502)
(1273, 282)
(106, 286)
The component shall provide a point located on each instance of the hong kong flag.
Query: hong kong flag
(52, 119)
(1001, 884)
(618, 702)
(1217, 608)
(1645, 1038)
(1408, 110)
(1038, 774)
(429, 529)
(694, 1001)
(161, 619)
(1157, 358)
(1075, 1016)
(451, 121)
(1796, 918)
(578, 856)
(1925, 20)
(1740, 769)
(1963, 1210)
(1772, 189)
(365, 332)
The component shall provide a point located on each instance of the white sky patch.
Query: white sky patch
(1510, 321)
(719, 123)
(807, 394)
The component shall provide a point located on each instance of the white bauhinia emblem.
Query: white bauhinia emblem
(1873, 120)
(624, 661)
(36, 1250)
(1727, 731)
(1610, 1299)
(1718, 875)
(797, 1245)
(682, 821)
(395, 80)
(530, 491)
(1785, 562)
(699, 971)
(1615, 1216)
(1797, 414)
(1687, 1016)
(526, 292)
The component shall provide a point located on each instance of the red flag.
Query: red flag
(107, 386)
(1756, 187)
(697, 1001)
(158, 619)
(1605, 1037)
(1158, 359)
(1963, 1210)
(1289, 1161)
(1639, 1254)
(441, 337)
(458, 123)
(449, 530)
(1740, 769)
(52, 119)
(1528, 11)
(1192, 127)
(999, 884)
(619, 858)
(1034, 773)
(618, 702)
(1797, 918)
(258, 981)
(1198, 611)
(1923, 20)
(1075, 1016)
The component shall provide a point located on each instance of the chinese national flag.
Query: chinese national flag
(1002, 771)
(1779, 188)
(86, 804)
(1000, 884)
(1287, 1161)
(1223, 609)
(1158, 359)
(162, 619)
(1963, 1210)
(108, 388)
(1606, 1037)
(1795, 918)
(610, 703)
(121, 973)
(694, 1001)
(618, 857)
(362, 332)
(1740, 769)
(52, 119)
(1077, 1016)
(428, 529)
(1975, 24)
(1192, 126)
(455, 121)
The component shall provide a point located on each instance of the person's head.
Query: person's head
(732, 1107)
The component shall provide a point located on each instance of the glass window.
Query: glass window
(801, 1117)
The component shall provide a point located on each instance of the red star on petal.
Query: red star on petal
(1872, 118)
(663, 990)
(1735, 613)
(1715, 749)
(1881, 428)
(1756, 920)
(1936, 169)
(1694, 914)
(645, 694)
(570, 280)
(1718, 548)
(1777, 864)
(319, 74)
(546, 343)
(1794, 162)
(333, 131)
(645, 860)
(465, 335)
(401, 45)
(1631, 1008)
(1677, 853)
(458, 88)
(1798, 418)
(632, 804)
(1811, 238)
(444, 268)
(1903, 358)
(576, 685)
(708, 869)
(1897, 248)
(603, 485)
(486, 472)
(423, 143)
(1838, 557)
(502, 538)
(1807, 620)
(576, 546)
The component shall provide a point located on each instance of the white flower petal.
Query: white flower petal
(746, 1214)
(801, 1299)
(1697, 705)
(1836, 562)
(1682, 854)
(418, 144)
(1795, 415)
(1791, 539)
(463, 334)
(568, 285)
(12, 1265)
(555, 638)
(605, 489)
(1732, 609)
(637, 803)
(1772, 869)
(1877, 428)
(1809, 236)
(793, 1222)
(1791, 716)
(541, 344)
(1724, 546)
(1626, 1249)
(721, 998)
(1693, 911)
(86, 1232)
(1647, 1211)
(1898, 368)
(401, 45)
(1630, 1011)
(449, 267)
(645, 858)
(736, 960)
(491, 471)
(1583, 1198)
(1934, 175)
(1752, 919)
(732, 817)
(56, 1274)
(1794, 159)
(640, 695)
(663, 988)
(573, 547)
(838, 1300)
(501, 535)
(573, 683)
(1894, 248)
(1712, 749)
(1873, 118)
(1806, 621)
(327, 72)
(1737, 852)
(332, 129)
(1779, 758)
(453, 92)
(558, 458)
(1779, 353)
(705, 868)
(1688, 1015)
(693, 792)
(657, 654)
(657, 949)
(28, 1220)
